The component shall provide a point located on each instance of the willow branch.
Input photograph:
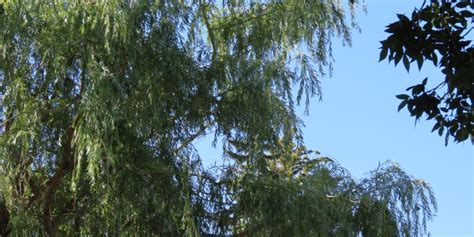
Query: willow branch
(192, 137)
(210, 31)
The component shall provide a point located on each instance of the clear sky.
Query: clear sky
(357, 122)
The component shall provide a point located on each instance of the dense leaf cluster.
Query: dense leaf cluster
(297, 192)
(438, 32)
(102, 101)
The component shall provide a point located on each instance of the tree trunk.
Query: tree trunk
(4, 218)
(65, 165)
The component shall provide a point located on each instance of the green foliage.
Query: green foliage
(438, 32)
(297, 192)
(102, 101)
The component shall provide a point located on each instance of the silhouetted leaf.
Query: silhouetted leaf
(383, 53)
(402, 105)
(403, 96)
(406, 63)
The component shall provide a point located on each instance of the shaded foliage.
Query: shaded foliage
(298, 192)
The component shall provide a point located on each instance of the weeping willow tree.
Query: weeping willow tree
(102, 101)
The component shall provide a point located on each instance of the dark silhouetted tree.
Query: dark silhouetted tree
(440, 32)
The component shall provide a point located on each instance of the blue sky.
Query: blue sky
(357, 122)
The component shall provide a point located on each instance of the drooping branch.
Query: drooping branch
(186, 142)
(210, 31)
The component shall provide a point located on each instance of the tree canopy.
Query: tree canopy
(102, 101)
(438, 32)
